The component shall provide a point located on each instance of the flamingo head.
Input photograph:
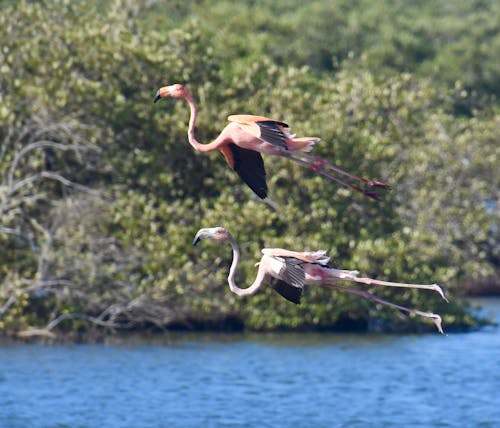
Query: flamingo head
(214, 233)
(175, 91)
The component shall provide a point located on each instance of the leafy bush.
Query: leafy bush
(101, 194)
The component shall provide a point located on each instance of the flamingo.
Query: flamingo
(288, 271)
(246, 136)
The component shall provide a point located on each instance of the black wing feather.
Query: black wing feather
(270, 133)
(250, 167)
(286, 290)
(293, 272)
(292, 282)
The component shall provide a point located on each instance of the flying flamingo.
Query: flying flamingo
(288, 271)
(247, 136)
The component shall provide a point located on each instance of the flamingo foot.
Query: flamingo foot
(369, 296)
(376, 183)
(324, 168)
(373, 195)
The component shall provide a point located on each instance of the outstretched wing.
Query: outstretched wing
(291, 279)
(319, 257)
(269, 130)
(249, 165)
(286, 290)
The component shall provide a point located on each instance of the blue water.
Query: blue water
(292, 380)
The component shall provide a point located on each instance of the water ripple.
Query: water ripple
(256, 381)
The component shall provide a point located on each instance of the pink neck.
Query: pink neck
(192, 122)
(232, 273)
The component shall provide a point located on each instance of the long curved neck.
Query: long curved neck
(232, 273)
(191, 128)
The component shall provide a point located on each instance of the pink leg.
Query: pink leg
(315, 167)
(434, 287)
(365, 294)
(320, 163)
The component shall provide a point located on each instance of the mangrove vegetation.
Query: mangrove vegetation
(101, 194)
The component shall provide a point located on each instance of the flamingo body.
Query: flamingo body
(289, 271)
(247, 136)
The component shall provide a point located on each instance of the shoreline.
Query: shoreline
(98, 335)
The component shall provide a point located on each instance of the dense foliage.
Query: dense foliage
(101, 195)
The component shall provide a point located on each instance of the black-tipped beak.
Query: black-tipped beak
(157, 96)
(196, 240)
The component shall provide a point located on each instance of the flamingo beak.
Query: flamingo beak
(199, 236)
(157, 96)
(161, 93)
(207, 233)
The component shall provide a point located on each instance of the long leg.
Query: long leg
(322, 164)
(369, 281)
(365, 294)
(320, 170)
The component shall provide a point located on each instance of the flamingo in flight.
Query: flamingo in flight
(246, 136)
(288, 271)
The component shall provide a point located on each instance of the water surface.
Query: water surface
(299, 380)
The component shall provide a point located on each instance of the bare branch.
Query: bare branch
(39, 285)
(15, 232)
(10, 301)
(40, 145)
(54, 323)
(31, 179)
(36, 332)
(68, 183)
